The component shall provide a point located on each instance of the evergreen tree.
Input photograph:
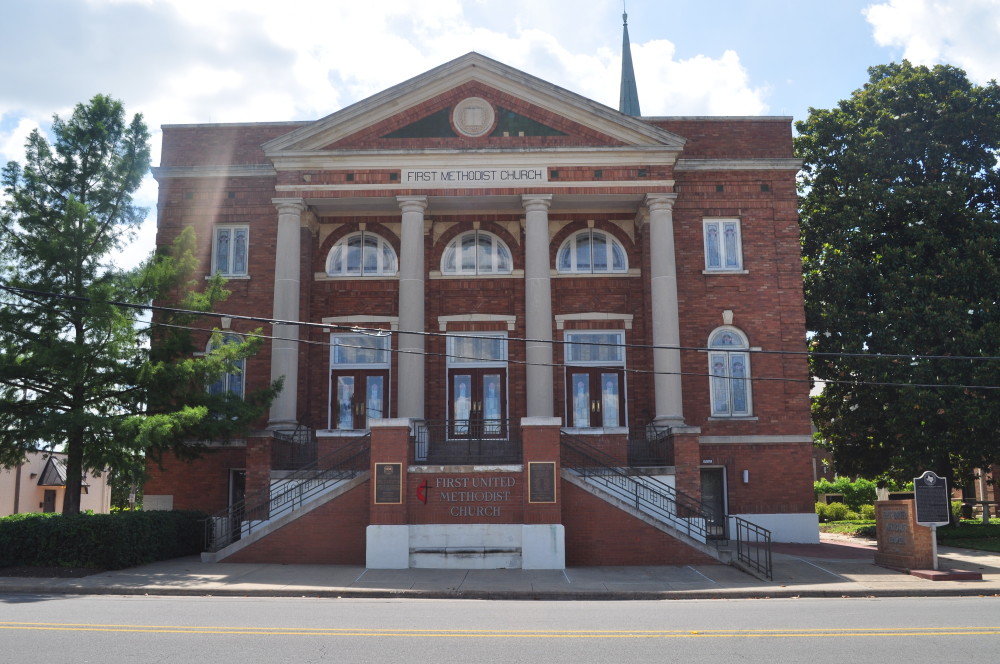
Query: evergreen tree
(901, 243)
(75, 368)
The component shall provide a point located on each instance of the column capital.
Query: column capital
(536, 202)
(289, 205)
(412, 203)
(660, 202)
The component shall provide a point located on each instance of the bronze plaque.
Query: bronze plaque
(542, 482)
(388, 483)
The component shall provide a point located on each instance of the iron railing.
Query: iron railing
(651, 445)
(292, 449)
(288, 493)
(651, 496)
(646, 493)
(467, 442)
(753, 546)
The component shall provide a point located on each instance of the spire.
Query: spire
(629, 100)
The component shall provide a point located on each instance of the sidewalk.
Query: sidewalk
(837, 567)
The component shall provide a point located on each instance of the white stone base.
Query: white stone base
(801, 528)
(466, 546)
(543, 546)
(387, 547)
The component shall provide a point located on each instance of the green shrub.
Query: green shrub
(956, 511)
(837, 512)
(868, 512)
(856, 494)
(99, 541)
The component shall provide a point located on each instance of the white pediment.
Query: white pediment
(473, 67)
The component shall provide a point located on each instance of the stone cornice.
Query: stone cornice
(221, 171)
(738, 165)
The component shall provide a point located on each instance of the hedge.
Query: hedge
(98, 541)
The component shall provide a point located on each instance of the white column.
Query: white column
(538, 305)
(666, 325)
(285, 342)
(410, 397)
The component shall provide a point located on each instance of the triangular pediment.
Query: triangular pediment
(473, 102)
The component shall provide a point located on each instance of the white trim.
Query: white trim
(754, 440)
(443, 321)
(593, 315)
(738, 164)
(361, 318)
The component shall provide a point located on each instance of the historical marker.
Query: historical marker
(931, 495)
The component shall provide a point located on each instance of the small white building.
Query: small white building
(39, 485)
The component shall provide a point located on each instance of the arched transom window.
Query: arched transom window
(591, 251)
(729, 369)
(361, 254)
(476, 252)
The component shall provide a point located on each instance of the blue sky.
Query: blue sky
(184, 61)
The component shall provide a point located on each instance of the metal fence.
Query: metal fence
(467, 442)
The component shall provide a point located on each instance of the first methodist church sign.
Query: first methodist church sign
(481, 177)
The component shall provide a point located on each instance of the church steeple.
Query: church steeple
(629, 99)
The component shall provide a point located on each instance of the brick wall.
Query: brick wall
(600, 534)
(332, 534)
(201, 484)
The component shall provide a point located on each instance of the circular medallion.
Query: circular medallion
(473, 117)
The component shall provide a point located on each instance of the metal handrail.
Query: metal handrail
(292, 449)
(465, 442)
(652, 445)
(753, 546)
(287, 494)
(648, 494)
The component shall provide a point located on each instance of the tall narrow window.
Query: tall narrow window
(229, 251)
(359, 380)
(476, 252)
(729, 369)
(477, 385)
(233, 380)
(595, 379)
(591, 251)
(723, 245)
(361, 254)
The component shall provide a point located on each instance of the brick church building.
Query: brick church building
(517, 328)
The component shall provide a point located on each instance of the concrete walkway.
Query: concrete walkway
(837, 567)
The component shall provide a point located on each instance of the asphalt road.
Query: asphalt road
(113, 630)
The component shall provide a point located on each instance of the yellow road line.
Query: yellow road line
(509, 634)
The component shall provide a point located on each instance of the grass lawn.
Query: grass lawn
(969, 535)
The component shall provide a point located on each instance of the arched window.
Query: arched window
(361, 254)
(729, 368)
(476, 252)
(591, 251)
(234, 380)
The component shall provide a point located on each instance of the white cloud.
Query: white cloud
(964, 34)
(194, 61)
(12, 142)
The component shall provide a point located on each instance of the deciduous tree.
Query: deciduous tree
(901, 243)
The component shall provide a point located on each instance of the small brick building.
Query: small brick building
(490, 268)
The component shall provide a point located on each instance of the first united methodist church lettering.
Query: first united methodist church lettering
(501, 274)
(474, 175)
